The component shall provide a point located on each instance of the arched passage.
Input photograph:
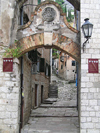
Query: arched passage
(36, 34)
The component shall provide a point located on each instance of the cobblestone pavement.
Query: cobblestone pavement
(59, 117)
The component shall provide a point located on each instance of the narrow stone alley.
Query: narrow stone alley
(59, 117)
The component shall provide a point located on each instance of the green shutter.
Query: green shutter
(39, 1)
(42, 65)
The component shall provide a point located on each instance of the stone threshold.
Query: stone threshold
(53, 116)
(57, 106)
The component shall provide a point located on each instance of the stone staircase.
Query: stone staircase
(53, 91)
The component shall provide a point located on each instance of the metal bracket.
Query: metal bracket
(85, 43)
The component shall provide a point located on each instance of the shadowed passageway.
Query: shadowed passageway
(60, 116)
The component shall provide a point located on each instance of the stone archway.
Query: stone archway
(61, 35)
(62, 43)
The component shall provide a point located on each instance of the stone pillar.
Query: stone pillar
(9, 98)
(90, 82)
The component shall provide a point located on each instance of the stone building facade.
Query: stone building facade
(35, 85)
(67, 67)
(90, 82)
(89, 91)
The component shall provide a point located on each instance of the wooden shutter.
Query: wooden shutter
(42, 65)
(32, 55)
(49, 71)
(39, 1)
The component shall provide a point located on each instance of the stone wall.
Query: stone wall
(40, 79)
(29, 82)
(9, 99)
(9, 81)
(45, 53)
(66, 70)
(27, 89)
(90, 82)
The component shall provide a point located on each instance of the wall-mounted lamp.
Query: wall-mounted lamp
(87, 30)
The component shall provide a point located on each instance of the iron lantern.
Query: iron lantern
(87, 28)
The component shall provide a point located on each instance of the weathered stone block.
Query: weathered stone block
(84, 113)
(98, 102)
(87, 125)
(12, 96)
(85, 79)
(83, 119)
(98, 114)
(92, 114)
(93, 131)
(84, 90)
(83, 131)
(95, 119)
(10, 121)
(90, 95)
(98, 126)
(89, 84)
(89, 119)
(12, 108)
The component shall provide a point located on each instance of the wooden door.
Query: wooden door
(41, 93)
(36, 95)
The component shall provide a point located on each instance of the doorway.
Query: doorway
(41, 93)
(36, 95)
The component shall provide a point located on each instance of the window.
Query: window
(38, 64)
(47, 70)
(73, 63)
(42, 65)
(65, 63)
(34, 69)
(32, 55)
(61, 66)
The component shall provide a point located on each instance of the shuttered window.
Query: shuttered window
(32, 55)
(42, 65)
(38, 64)
(47, 70)
(39, 1)
(73, 63)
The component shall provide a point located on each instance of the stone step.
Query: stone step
(55, 106)
(54, 112)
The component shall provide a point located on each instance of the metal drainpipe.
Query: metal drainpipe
(77, 68)
(21, 76)
(50, 65)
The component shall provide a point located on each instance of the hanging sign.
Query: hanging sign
(7, 64)
(93, 65)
